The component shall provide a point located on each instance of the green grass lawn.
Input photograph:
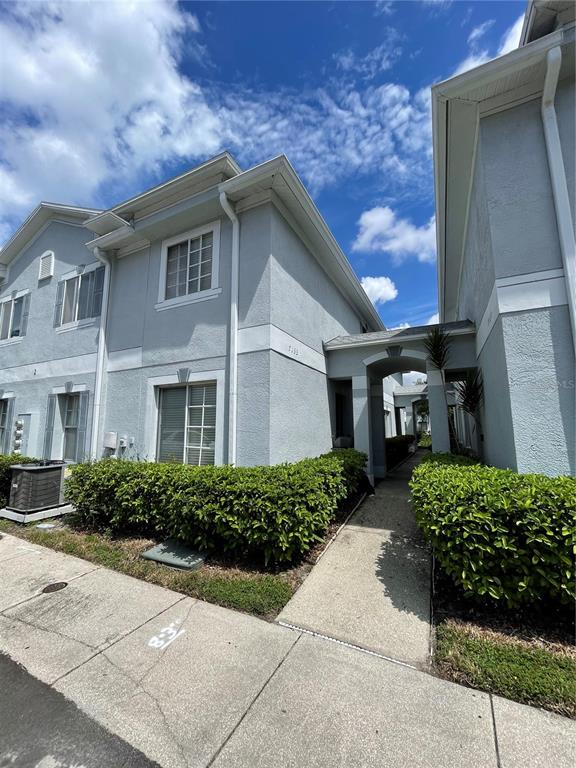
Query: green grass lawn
(260, 594)
(531, 672)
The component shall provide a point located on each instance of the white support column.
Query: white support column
(410, 422)
(438, 411)
(361, 414)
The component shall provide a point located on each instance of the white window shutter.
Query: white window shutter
(46, 269)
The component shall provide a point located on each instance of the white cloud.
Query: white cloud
(377, 60)
(399, 327)
(413, 377)
(434, 320)
(336, 131)
(479, 31)
(511, 39)
(93, 95)
(379, 289)
(381, 229)
(93, 113)
(383, 7)
(476, 57)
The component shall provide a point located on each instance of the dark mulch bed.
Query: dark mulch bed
(547, 622)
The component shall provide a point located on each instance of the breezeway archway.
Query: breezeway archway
(363, 361)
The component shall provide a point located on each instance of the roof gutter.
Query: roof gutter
(102, 353)
(559, 183)
(233, 342)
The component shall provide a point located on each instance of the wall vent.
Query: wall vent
(46, 265)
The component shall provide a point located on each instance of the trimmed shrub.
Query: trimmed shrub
(353, 466)
(397, 448)
(275, 513)
(498, 534)
(424, 440)
(6, 461)
(447, 458)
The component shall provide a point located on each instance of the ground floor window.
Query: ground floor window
(66, 423)
(70, 412)
(3, 424)
(187, 424)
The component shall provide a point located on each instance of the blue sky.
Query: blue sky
(103, 99)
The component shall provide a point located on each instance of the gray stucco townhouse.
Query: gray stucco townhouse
(214, 318)
(184, 324)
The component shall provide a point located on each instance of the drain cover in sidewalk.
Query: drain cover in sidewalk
(175, 554)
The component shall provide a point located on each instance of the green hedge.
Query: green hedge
(275, 513)
(498, 534)
(6, 461)
(353, 468)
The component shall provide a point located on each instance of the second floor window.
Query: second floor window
(189, 266)
(13, 317)
(79, 297)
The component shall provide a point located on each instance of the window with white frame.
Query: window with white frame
(79, 297)
(13, 317)
(3, 425)
(189, 268)
(187, 424)
(70, 419)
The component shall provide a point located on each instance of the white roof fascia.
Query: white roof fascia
(39, 216)
(158, 190)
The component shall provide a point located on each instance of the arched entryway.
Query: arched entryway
(360, 363)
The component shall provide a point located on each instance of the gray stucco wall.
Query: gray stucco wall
(255, 266)
(300, 424)
(304, 302)
(478, 275)
(518, 191)
(498, 447)
(253, 414)
(43, 342)
(46, 357)
(541, 369)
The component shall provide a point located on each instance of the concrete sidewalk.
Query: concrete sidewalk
(371, 587)
(191, 684)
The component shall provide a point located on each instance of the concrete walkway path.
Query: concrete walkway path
(192, 685)
(371, 588)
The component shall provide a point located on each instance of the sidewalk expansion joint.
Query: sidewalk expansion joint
(249, 707)
(354, 647)
(495, 732)
(103, 650)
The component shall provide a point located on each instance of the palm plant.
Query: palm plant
(437, 344)
(470, 394)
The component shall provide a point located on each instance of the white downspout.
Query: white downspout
(559, 184)
(101, 354)
(233, 345)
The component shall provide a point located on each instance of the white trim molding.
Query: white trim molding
(214, 290)
(51, 369)
(261, 338)
(151, 417)
(521, 293)
(62, 390)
